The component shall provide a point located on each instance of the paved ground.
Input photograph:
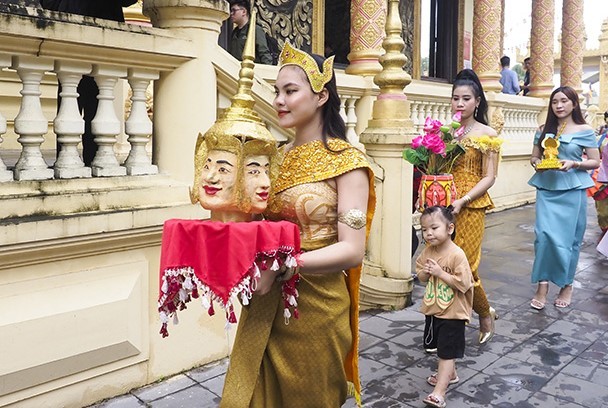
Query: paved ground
(551, 358)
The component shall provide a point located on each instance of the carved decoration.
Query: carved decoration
(498, 120)
(573, 44)
(486, 42)
(287, 20)
(541, 50)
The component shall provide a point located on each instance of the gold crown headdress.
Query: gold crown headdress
(293, 56)
(239, 123)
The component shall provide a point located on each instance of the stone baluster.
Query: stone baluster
(105, 125)
(5, 175)
(520, 124)
(434, 113)
(351, 123)
(422, 114)
(30, 123)
(414, 105)
(443, 114)
(139, 126)
(69, 124)
(343, 108)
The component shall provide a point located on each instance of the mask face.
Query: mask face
(257, 182)
(218, 181)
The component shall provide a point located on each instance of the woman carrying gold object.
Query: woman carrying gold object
(561, 199)
(325, 185)
(474, 173)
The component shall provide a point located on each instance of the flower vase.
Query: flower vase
(437, 189)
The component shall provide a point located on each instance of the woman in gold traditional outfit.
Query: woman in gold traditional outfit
(325, 185)
(474, 173)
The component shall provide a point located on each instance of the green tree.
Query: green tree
(519, 70)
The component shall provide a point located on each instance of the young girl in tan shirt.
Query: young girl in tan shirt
(448, 298)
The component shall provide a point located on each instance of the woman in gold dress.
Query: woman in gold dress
(325, 185)
(474, 173)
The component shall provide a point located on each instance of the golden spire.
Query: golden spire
(393, 79)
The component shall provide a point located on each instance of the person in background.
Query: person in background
(87, 88)
(508, 78)
(561, 197)
(526, 86)
(601, 196)
(239, 15)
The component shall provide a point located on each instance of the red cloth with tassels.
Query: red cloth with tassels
(220, 260)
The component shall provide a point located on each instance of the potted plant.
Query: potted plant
(434, 154)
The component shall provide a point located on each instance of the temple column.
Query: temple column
(487, 50)
(573, 44)
(541, 48)
(367, 20)
(387, 277)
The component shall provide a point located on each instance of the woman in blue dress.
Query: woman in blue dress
(561, 200)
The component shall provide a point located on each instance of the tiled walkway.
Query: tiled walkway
(551, 358)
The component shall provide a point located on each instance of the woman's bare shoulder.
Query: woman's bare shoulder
(487, 130)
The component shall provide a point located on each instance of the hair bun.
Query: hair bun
(467, 73)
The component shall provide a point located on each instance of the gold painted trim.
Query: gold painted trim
(417, 40)
(318, 27)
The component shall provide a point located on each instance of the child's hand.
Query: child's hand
(432, 267)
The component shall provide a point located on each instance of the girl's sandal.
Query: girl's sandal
(432, 379)
(435, 401)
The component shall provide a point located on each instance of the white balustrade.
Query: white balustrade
(414, 113)
(349, 115)
(69, 124)
(105, 125)
(139, 126)
(343, 108)
(421, 109)
(30, 123)
(351, 123)
(5, 175)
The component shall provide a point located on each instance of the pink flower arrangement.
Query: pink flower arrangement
(435, 151)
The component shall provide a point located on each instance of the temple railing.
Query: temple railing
(63, 56)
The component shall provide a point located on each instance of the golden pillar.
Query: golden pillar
(387, 277)
(367, 20)
(603, 102)
(573, 44)
(541, 51)
(487, 36)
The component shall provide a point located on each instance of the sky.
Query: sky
(517, 22)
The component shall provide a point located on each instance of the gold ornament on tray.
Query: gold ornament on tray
(237, 158)
(550, 146)
(549, 161)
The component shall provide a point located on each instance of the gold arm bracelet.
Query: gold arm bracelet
(354, 218)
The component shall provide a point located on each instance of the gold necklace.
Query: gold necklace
(465, 132)
(560, 131)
